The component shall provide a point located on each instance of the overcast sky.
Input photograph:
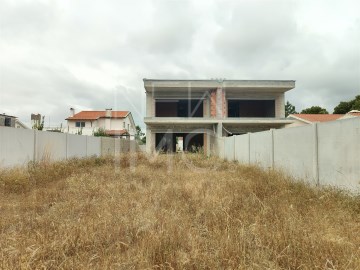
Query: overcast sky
(91, 55)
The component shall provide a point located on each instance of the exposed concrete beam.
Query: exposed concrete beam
(204, 121)
(187, 85)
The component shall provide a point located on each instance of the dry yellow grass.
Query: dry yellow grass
(169, 212)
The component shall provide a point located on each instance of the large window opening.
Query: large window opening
(179, 142)
(179, 108)
(251, 108)
(7, 122)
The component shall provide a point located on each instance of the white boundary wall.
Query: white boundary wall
(49, 145)
(16, 146)
(19, 146)
(76, 146)
(321, 154)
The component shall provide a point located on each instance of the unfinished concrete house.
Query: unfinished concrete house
(185, 115)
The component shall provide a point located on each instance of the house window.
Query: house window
(179, 108)
(251, 108)
(128, 127)
(123, 124)
(80, 124)
(7, 122)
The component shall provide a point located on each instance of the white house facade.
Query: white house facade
(114, 123)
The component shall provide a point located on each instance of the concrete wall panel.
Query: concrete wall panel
(261, 149)
(220, 145)
(93, 146)
(76, 146)
(50, 146)
(294, 151)
(16, 146)
(107, 146)
(229, 147)
(134, 146)
(242, 148)
(339, 153)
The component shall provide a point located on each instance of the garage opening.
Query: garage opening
(179, 142)
(179, 108)
(251, 108)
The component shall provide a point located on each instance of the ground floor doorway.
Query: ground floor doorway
(179, 142)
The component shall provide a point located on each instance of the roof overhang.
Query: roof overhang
(280, 86)
(294, 117)
(153, 121)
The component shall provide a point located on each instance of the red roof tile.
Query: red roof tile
(93, 115)
(116, 132)
(317, 117)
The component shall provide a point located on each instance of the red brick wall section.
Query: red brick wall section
(224, 111)
(213, 103)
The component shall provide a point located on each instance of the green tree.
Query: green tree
(315, 110)
(289, 109)
(100, 132)
(346, 106)
(139, 134)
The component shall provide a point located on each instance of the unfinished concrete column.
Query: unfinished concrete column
(280, 106)
(213, 103)
(150, 141)
(150, 105)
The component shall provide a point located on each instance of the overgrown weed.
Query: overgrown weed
(133, 212)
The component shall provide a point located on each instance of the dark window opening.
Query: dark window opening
(179, 108)
(251, 108)
(235, 134)
(7, 122)
(80, 124)
(170, 142)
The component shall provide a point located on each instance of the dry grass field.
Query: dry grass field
(171, 213)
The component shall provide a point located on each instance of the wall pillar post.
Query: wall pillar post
(316, 154)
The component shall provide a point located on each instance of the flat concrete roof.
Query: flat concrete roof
(180, 85)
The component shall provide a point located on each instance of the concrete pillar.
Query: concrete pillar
(280, 106)
(150, 105)
(219, 130)
(316, 155)
(206, 105)
(249, 147)
(150, 141)
(272, 157)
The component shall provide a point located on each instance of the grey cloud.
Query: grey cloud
(256, 33)
(27, 19)
(171, 29)
(45, 43)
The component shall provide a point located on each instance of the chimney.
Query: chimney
(72, 111)
(108, 112)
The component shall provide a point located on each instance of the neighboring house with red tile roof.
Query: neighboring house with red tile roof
(306, 119)
(351, 114)
(115, 123)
